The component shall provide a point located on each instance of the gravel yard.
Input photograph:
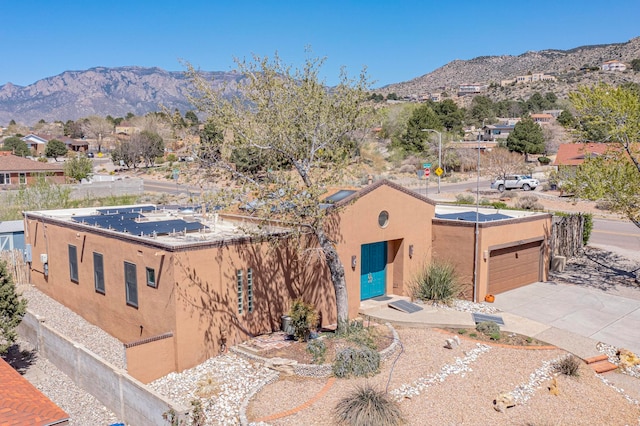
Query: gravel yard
(441, 386)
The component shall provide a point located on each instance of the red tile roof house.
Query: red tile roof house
(16, 171)
(574, 154)
(22, 404)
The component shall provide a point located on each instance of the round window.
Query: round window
(383, 218)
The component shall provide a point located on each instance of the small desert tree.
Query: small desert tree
(501, 162)
(17, 146)
(55, 148)
(12, 309)
(526, 138)
(78, 168)
(300, 134)
(611, 115)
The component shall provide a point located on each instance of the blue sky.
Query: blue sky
(395, 40)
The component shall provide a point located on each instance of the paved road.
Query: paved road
(615, 233)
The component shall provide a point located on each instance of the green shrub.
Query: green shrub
(358, 362)
(438, 281)
(172, 158)
(473, 335)
(366, 406)
(357, 333)
(499, 205)
(495, 336)
(318, 350)
(462, 331)
(587, 227)
(529, 202)
(568, 365)
(488, 328)
(544, 160)
(303, 318)
(465, 199)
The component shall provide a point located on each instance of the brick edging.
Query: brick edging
(307, 404)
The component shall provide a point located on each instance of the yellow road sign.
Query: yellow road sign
(438, 171)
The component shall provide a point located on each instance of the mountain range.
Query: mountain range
(118, 91)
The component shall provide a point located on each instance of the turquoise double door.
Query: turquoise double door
(373, 266)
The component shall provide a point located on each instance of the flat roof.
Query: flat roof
(485, 214)
(167, 225)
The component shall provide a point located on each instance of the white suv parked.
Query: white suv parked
(525, 183)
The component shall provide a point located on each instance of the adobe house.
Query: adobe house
(571, 155)
(16, 171)
(498, 250)
(179, 287)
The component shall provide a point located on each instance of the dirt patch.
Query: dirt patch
(297, 351)
(505, 337)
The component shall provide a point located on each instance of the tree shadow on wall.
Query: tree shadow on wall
(280, 272)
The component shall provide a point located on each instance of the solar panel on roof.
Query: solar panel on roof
(339, 196)
(120, 210)
(126, 222)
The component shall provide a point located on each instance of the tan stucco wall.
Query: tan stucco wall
(206, 290)
(156, 306)
(454, 241)
(409, 224)
(150, 361)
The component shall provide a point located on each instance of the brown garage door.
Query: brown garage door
(513, 267)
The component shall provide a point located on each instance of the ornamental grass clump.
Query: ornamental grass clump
(569, 366)
(437, 282)
(318, 350)
(367, 406)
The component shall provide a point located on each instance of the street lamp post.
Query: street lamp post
(439, 151)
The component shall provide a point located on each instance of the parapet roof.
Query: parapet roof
(166, 225)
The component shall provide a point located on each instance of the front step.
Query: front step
(600, 364)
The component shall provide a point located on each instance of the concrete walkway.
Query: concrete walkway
(569, 317)
(586, 311)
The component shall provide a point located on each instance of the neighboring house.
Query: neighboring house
(11, 235)
(529, 78)
(126, 129)
(179, 287)
(574, 154)
(555, 113)
(36, 143)
(613, 65)
(16, 171)
(22, 404)
(493, 132)
(74, 145)
(542, 118)
(468, 89)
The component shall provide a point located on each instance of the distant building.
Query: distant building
(555, 113)
(470, 89)
(542, 118)
(492, 132)
(16, 171)
(11, 235)
(574, 154)
(613, 65)
(529, 78)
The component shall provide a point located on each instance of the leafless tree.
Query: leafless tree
(501, 162)
(97, 128)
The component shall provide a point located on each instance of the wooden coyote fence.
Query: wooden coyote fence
(16, 266)
(566, 235)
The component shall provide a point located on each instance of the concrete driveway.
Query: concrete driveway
(609, 315)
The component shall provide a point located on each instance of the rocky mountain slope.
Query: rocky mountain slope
(118, 91)
(101, 91)
(567, 65)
